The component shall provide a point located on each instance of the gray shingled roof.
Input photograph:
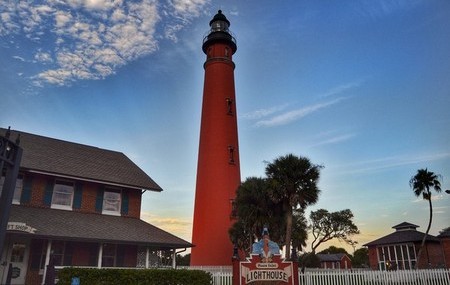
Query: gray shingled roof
(330, 257)
(89, 227)
(402, 235)
(63, 158)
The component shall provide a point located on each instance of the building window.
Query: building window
(209, 52)
(62, 197)
(109, 255)
(233, 214)
(231, 154)
(17, 190)
(229, 102)
(61, 253)
(111, 202)
(393, 257)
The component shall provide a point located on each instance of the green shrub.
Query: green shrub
(91, 276)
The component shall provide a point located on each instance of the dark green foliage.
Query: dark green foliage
(361, 258)
(421, 183)
(90, 276)
(255, 210)
(332, 250)
(309, 260)
(326, 226)
(293, 183)
(183, 260)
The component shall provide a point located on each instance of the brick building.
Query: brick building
(78, 205)
(399, 250)
(444, 236)
(334, 261)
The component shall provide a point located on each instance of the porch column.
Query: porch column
(147, 257)
(47, 259)
(174, 259)
(100, 256)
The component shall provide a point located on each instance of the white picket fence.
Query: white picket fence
(348, 277)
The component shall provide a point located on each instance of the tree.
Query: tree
(332, 250)
(326, 226)
(299, 230)
(421, 184)
(293, 183)
(183, 260)
(360, 258)
(254, 210)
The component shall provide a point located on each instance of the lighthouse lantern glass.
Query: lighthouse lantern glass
(219, 26)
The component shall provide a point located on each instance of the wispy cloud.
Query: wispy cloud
(262, 113)
(91, 39)
(340, 89)
(392, 162)
(383, 8)
(270, 117)
(294, 115)
(335, 139)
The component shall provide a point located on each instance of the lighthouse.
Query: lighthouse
(218, 171)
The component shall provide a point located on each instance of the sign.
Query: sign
(21, 227)
(256, 269)
(75, 281)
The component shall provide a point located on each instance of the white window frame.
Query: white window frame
(59, 188)
(115, 197)
(17, 190)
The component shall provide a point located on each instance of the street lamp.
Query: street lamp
(10, 157)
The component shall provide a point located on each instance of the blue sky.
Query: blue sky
(361, 87)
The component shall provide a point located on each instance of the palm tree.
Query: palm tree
(293, 183)
(254, 210)
(421, 183)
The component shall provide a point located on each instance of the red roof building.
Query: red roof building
(399, 250)
(78, 205)
(334, 261)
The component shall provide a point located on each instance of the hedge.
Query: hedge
(92, 276)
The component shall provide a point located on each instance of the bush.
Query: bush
(91, 276)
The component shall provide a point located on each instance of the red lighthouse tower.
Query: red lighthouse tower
(218, 171)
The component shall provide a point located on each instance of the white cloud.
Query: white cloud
(62, 18)
(261, 113)
(383, 8)
(392, 162)
(294, 115)
(92, 38)
(18, 57)
(335, 139)
(340, 89)
(188, 8)
(43, 57)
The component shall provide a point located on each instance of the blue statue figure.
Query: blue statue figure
(265, 248)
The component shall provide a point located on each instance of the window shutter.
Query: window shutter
(78, 195)
(26, 190)
(48, 192)
(124, 207)
(99, 199)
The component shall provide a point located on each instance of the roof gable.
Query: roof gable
(405, 233)
(62, 158)
(405, 226)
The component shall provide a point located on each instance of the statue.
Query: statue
(265, 248)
